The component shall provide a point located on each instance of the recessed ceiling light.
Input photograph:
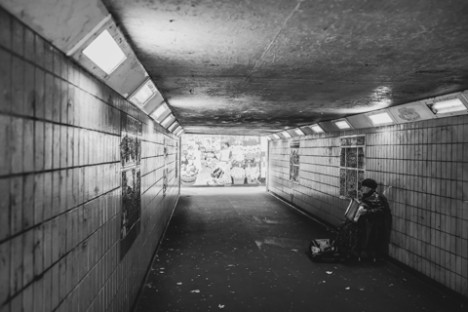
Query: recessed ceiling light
(173, 126)
(316, 129)
(298, 131)
(286, 134)
(167, 121)
(342, 124)
(160, 111)
(105, 52)
(448, 106)
(380, 119)
(145, 92)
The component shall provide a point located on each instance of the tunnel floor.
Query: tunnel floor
(241, 249)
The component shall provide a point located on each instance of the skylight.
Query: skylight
(105, 52)
(286, 134)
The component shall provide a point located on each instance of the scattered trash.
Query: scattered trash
(390, 285)
(179, 283)
(362, 289)
(294, 250)
(221, 306)
(195, 291)
(323, 282)
(348, 288)
(329, 272)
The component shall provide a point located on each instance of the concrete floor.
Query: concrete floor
(240, 249)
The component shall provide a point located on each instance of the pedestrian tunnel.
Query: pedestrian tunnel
(155, 153)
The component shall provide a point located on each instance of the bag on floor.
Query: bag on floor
(322, 249)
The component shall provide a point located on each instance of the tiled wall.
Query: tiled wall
(60, 176)
(422, 168)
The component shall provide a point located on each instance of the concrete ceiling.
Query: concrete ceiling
(248, 66)
(260, 66)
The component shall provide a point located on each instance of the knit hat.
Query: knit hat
(369, 183)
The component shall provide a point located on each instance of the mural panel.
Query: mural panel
(352, 163)
(130, 154)
(294, 161)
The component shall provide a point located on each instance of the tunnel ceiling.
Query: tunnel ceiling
(260, 66)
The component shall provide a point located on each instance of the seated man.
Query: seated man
(374, 224)
(366, 231)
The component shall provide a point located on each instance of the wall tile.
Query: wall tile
(61, 250)
(422, 172)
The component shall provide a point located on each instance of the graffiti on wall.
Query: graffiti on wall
(130, 155)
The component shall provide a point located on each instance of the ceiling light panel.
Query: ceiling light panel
(159, 112)
(448, 106)
(276, 137)
(342, 124)
(173, 126)
(144, 93)
(316, 129)
(105, 52)
(286, 134)
(379, 119)
(298, 132)
(167, 121)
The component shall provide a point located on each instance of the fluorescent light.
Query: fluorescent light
(105, 52)
(448, 106)
(167, 121)
(342, 124)
(144, 93)
(160, 111)
(380, 119)
(177, 129)
(316, 129)
(173, 126)
(298, 131)
(276, 136)
(286, 134)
